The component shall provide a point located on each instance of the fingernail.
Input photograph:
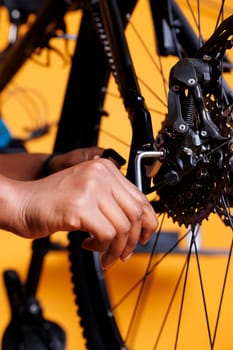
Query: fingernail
(125, 259)
(144, 240)
(106, 261)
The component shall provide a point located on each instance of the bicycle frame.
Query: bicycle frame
(79, 121)
(170, 27)
(76, 107)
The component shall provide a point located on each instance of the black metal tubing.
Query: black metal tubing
(81, 112)
(83, 102)
(173, 31)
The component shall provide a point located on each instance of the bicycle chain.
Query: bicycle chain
(104, 40)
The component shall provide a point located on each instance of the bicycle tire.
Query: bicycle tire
(102, 328)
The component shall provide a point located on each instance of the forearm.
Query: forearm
(10, 204)
(27, 167)
(22, 166)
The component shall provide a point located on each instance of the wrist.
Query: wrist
(47, 165)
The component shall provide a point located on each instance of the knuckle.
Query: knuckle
(124, 227)
(71, 221)
(109, 235)
(136, 213)
(100, 164)
(144, 201)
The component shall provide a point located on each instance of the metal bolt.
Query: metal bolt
(203, 133)
(182, 127)
(191, 81)
(34, 309)
(15, 14)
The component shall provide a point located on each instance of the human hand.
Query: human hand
(68, 159)
(93, 197)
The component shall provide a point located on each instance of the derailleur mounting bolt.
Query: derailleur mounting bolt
(191, 81)
(182, 127)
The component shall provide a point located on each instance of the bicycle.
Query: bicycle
(190, 159)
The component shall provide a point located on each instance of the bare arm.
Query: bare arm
(22, 166)
(27, 167)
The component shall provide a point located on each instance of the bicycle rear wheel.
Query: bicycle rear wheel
(175, 293)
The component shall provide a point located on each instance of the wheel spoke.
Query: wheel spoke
(202, 291)
(163, 293)
(226, 206)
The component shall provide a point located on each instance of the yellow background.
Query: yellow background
(35, 95)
